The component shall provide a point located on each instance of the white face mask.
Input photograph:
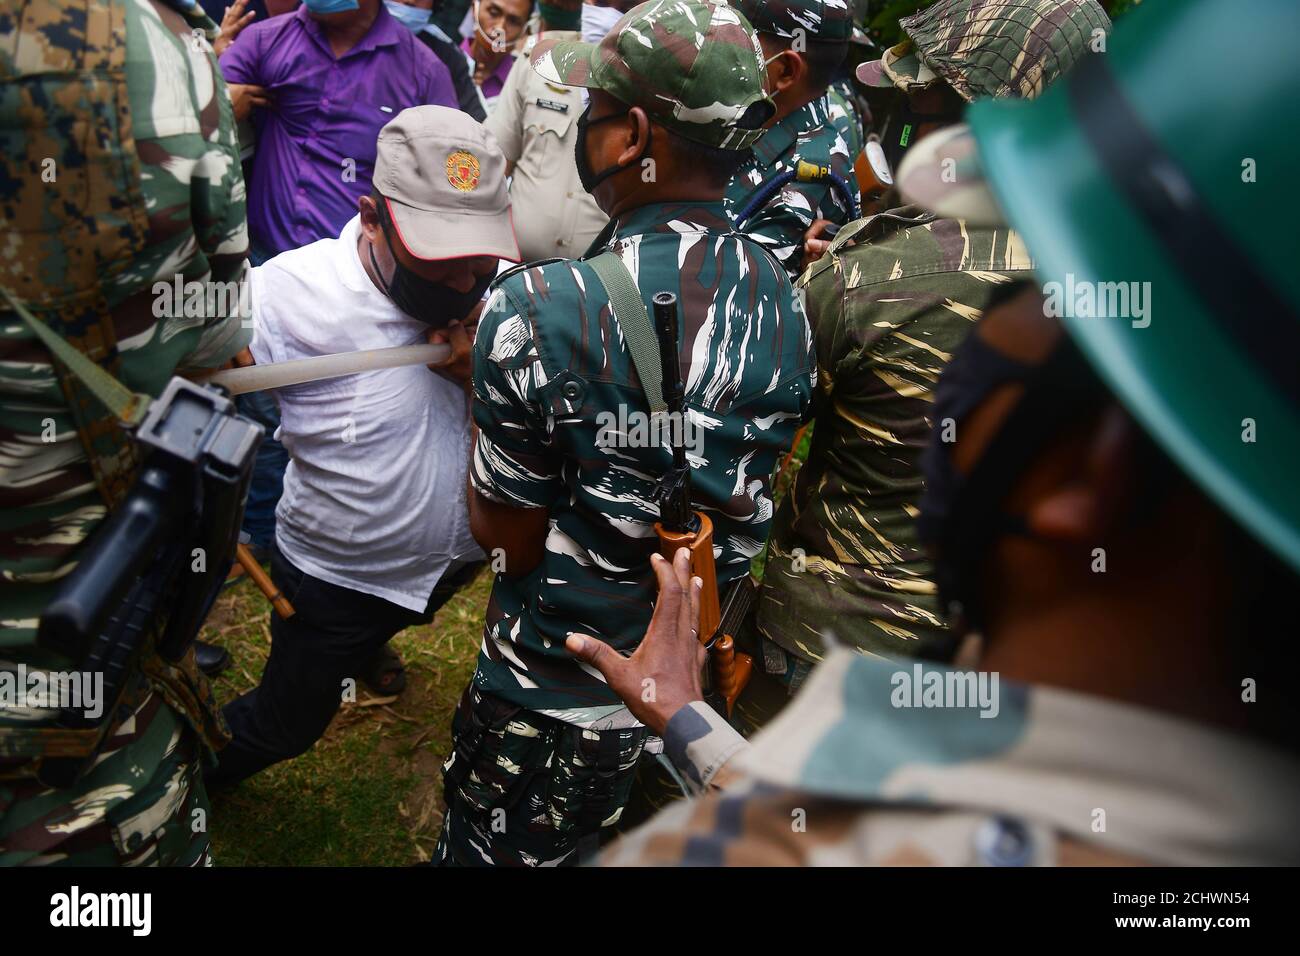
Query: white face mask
(598, 21)
(495, 39)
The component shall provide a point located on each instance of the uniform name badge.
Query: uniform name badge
(553, 105)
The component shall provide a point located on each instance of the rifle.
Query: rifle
(680, 526)
(162, 553)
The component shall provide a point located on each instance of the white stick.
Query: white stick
(255, 378)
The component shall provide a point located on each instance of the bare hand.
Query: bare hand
(663, 674)
(234, 21)
(459, 365)
(815, 241)
(245, 96)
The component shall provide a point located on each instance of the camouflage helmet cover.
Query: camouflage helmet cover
(695, 66)
(990, 48)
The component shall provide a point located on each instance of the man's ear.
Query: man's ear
(1093, 497)
(636, 130)
(369, 218)
(785, 71)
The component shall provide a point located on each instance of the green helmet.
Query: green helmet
(983, 48)
(830, 20)
(695, 67)
(1144, 166)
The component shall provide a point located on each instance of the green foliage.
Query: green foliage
(883, 17)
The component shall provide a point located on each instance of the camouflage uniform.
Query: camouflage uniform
(858, 770)
(544, 751)
(814, 133)
(888, 312)
(844, 115)
(144, 188)
(846, 778)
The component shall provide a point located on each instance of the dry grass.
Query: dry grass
(370, 792)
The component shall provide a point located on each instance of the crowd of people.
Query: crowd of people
(989, 285)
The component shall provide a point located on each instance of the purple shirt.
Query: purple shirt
(324, 111)
(495, 81)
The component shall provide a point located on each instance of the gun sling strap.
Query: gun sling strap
(631, 315)
(127, 406)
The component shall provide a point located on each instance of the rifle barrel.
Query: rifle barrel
(665, 319)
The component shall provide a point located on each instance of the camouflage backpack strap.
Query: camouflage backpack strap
(631, 315)
(71, 198)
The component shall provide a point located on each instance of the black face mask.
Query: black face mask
(900, 131)
(432, 303)
(589, 178)
(962, 515)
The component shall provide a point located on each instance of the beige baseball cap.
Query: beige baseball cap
(443, 179)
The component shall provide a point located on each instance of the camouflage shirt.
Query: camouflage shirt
(860, 770)
(168, 161)
(887, 313)
(109, 188)
(562, 427)
(846, 116)
(806, 134)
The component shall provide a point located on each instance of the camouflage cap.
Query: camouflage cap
(989, 48)
(695, 67)
(830, 20)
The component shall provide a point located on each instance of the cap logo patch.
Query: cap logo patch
(462, 170)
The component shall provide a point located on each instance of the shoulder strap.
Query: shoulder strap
(631, 315)
(128, 406)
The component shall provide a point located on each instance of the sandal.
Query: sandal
(385, 675)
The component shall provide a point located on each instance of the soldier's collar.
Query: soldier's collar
(780, 139)
(655, 217)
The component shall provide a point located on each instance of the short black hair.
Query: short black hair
(719, 164)
(824, 58)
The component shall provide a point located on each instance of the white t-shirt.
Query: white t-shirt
(374, 496)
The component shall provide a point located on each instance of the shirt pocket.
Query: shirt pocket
(545, 128)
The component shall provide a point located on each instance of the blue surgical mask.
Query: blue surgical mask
(598, 21)
(330, 6)
(413, 18)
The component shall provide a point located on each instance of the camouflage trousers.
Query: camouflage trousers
(142, 804)
(523, 789)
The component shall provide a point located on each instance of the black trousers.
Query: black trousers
(332, 636)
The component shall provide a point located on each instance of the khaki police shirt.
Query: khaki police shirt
(536, 124)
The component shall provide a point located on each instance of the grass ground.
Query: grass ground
(370, 792)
